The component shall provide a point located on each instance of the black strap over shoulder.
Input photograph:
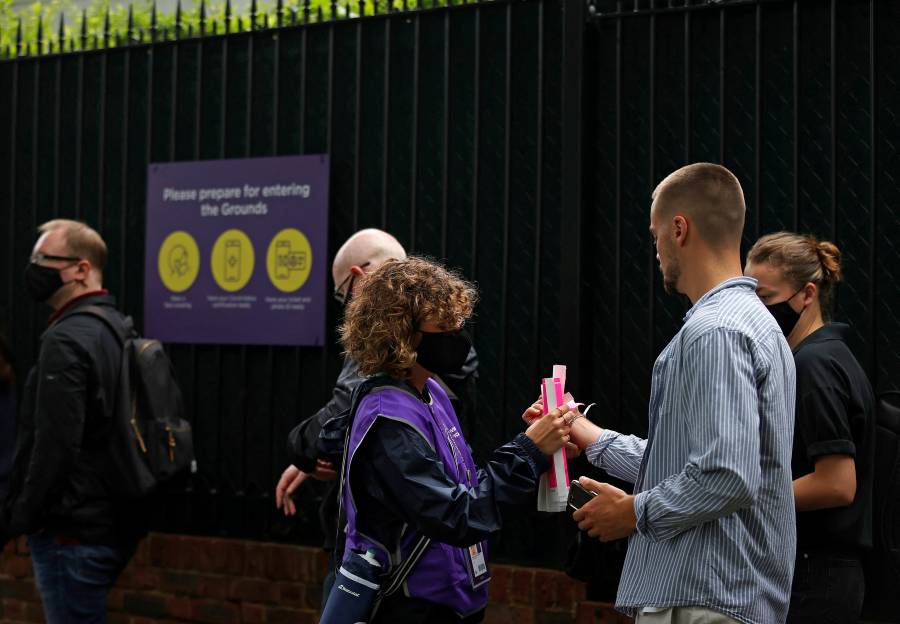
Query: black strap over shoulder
(121, 327)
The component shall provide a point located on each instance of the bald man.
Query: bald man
(711, 518)
(361, 254)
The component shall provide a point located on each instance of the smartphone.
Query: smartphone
(578, 495)
(232, 261)
(282, 260)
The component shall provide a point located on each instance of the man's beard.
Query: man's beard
(670, 277)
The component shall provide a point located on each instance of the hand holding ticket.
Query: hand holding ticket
(553, 489)
(550, 432)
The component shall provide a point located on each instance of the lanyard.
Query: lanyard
(457, 456)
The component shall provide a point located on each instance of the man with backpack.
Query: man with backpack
(79, 533)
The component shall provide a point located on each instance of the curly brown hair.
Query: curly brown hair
(381, 322)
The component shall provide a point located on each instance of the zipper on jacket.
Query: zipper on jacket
(171, 444)
(134, 426)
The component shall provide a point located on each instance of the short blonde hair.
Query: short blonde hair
(381, 321)
(81, 240)
(711, 196)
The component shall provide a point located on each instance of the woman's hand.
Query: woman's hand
(533, 413)
(550, 432)
(573, 450)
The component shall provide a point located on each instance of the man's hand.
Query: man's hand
(324, 471)
(290, 480)
(584, 432)
(609, 515)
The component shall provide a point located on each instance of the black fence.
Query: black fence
(519, 140)
(443, 127)
(800, 100)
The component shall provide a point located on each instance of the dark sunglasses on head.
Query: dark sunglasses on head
(340, 295)
(39, 257)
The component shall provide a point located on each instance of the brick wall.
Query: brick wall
(175, 578)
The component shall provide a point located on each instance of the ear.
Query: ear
(810, 293)
(680, 227)
(357, 270)
(83, 269)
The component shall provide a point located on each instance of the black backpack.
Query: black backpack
(150, 442)
(883, 562)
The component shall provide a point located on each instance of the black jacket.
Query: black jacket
(404, 483)
(58, 481)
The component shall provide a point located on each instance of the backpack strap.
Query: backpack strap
(398, 576)
(121, 329)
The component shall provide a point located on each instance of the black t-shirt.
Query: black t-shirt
(835, 416)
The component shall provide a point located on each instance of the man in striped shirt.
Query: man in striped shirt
(711, 520)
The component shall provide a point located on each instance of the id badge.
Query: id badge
(478, 569)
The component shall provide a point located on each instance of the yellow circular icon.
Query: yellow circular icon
(178, 261)
(232, 260)
(289, 260)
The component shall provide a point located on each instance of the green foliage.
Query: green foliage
(42, 23)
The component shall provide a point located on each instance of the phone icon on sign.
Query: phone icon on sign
(232, 261)
(282, 259)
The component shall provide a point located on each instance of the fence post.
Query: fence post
(574, 21)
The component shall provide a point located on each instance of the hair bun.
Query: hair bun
(830, 258)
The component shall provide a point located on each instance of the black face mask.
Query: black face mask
(785, 315)
(443, 352)
(42, 282)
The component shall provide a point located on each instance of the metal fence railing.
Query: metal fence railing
(519, 140)
(800, 100)
(443, 127)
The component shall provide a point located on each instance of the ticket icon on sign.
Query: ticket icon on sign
(289, 260)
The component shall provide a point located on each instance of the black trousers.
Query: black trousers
(828, 588)
(398, 609)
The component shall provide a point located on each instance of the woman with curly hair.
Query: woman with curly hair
(834, 427)
(409, 474)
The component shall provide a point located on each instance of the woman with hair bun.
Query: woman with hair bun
(834, 428)
(408, 473)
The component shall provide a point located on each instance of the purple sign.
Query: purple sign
(237, 251)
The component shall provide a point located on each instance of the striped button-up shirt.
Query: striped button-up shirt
(714, 503)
